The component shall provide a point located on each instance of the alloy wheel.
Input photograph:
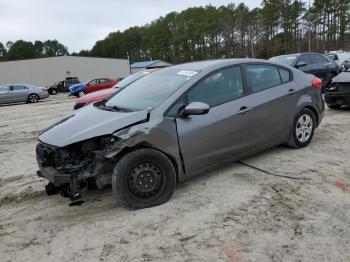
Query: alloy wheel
(33, 98)
(304, 128)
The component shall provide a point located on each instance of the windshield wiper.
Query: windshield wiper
(118, 108)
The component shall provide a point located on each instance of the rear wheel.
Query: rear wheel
(143, 178)
(33, 98)
(303, 129)
(53, 92)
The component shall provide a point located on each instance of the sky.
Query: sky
(78, 24)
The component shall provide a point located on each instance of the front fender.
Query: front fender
(160, 135)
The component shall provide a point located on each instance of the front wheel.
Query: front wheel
(303, 129)
(33, 98)
(81, 93)
(143, 178)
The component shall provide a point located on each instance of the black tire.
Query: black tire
(51, 189)
(296, 139)
(334, 106)
(81, 93)
(33, 98)
(53, 92)
(143, 178)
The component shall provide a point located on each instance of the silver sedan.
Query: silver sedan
(21, 93)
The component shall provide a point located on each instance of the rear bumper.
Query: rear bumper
(337, 98)
(45, 95)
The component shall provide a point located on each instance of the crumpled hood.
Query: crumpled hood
(89, 122)
(77, 87)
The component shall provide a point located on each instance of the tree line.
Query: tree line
(276, 27)
(27, 50)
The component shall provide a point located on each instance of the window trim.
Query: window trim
(184, 95)
(291, 75)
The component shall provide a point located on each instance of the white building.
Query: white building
(46, 71)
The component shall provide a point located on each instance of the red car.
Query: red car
(99, 84)
(104, 94)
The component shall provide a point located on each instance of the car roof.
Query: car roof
(201, 65)
(302, 53)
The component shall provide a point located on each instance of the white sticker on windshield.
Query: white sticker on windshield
(187, 73)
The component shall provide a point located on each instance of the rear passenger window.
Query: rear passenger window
(318, 59)
(262, 77)
(218, 88)
(305, 59)
(285, 75)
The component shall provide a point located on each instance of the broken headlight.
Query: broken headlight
(107, 142)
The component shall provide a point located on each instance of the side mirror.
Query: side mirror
(195, 108)
(300, 64)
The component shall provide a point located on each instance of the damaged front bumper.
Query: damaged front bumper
(71, 170)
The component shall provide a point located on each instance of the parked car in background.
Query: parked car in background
(338, 93)
(22, 93)
(346, 66)
(339, 57)
(106, 93)
(176, 123)
(92, 86)
(62, 86)
(317, 64)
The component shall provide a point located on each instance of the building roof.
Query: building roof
(144, 64)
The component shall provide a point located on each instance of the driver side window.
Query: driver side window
(218, 88)
(93, 82)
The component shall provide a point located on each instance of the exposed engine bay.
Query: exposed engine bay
(74, 168)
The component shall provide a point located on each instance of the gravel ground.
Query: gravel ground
(235, 213)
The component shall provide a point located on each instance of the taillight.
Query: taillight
(317, 83)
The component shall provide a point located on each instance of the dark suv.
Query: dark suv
(62, 86)
(311, 63)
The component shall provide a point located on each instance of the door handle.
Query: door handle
(244, 110)
(291, 92)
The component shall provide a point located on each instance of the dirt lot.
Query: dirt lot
(233, 214)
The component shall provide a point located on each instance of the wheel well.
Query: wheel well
(315, 113)
(127, 150)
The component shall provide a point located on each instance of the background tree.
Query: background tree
(21, 50)
(3, 52)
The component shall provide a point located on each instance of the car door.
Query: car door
(272, 103)
(92, 86)
(104, 83)
(320, 66)
(304, 64)
(225, 131)
(5, 95)
(19, 93)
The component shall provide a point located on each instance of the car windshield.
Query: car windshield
(151, 91)
(132, 78)
(284, 59)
